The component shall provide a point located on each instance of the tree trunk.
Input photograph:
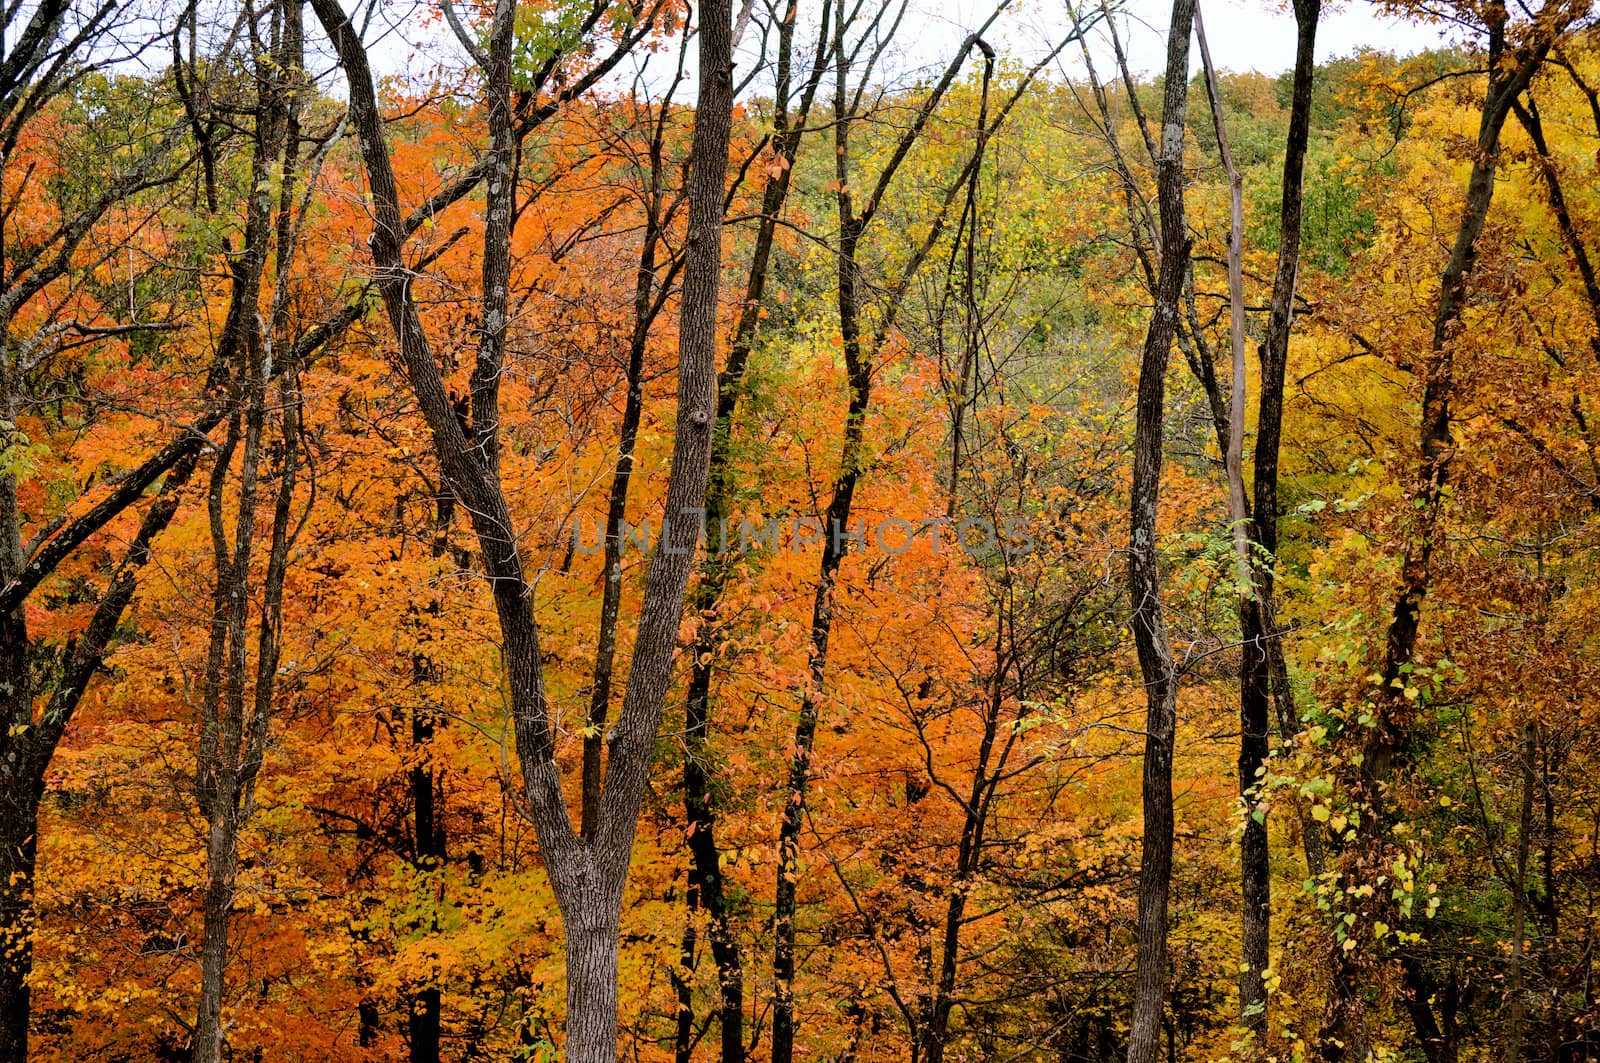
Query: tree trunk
(19, 818)
(794, 806)
(422, 1026)
(588, 875)
(1263, 671)
(423, 1015)
(1516, 992)
(221, 862)
(835, 523)
(1156, 662)
(20, 784)
(706, 887)
(592, 951)
(235, 713)
(1255, 877)
(683, 1038)
(699, 803)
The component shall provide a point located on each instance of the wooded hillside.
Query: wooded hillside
(682, 533)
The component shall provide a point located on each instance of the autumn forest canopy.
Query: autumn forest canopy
(767, 530)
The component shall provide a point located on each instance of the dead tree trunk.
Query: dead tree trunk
(1255, 879)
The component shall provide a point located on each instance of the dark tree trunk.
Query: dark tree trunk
(1144, 579)
(430, 841)
(20, 786)
(19, 818)
(1261, 649)
(683, 1038)
(422, 1026)
(836, 521)
(236, 713)
(1516, 987)
(423, 1009)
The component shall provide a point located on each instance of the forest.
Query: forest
(777, 530)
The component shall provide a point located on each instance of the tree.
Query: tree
(286, 819)
(859, 350)
(54, 56)
(236, 709)
(706, 881)
(1515, 54)
(1262, 664)
(1156, 661)
(1255, 538)
(588, 875)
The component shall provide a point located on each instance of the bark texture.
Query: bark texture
(1263, 674)
(236, 707)
(1255, 883)
(706, 888)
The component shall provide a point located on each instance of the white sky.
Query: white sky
(1256, 35)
